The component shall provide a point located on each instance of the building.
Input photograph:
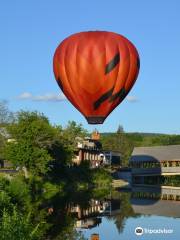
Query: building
(87, 218)
(162, 201)
(88, 223)
(155, 161)
(95, 236)
(96, 207)
(90, 149)
(111, 157)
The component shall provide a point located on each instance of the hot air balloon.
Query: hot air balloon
(96, 70)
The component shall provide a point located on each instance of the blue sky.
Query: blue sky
(31, 30)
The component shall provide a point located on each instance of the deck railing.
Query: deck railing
(156, 170)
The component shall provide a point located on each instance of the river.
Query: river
(116, 215)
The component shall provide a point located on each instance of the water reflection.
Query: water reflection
(96, 211)
(156, 201)
(115, 206)
(118, 206)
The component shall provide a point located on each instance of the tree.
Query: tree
(120, 129)
(74, 131)
(6, 116)
(15, 225)
(120, 142)
(35, 142)
(2, 144)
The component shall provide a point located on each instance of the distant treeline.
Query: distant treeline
(125, 142)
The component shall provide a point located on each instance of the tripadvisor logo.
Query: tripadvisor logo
(139, 231)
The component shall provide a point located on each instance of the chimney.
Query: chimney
(95, 135)
(95, 236)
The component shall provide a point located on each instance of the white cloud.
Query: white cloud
(132, 99)
(25, 95)
(51, 97)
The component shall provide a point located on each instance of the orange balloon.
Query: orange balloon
(96, 70)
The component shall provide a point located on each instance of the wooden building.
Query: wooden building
(95, 236)
(155, 161)
(154, 157)
(90, 149)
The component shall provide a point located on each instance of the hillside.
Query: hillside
(125, 142)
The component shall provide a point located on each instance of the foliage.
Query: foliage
(101, 178)
(5, 201)
(19, 191)
(23, 153)
(50, 190)
(14, 192)
(120, 129)
(71, 234)
(126, 211)
(6, 116)
(147, 139)
(118, 142)
(125, 142)
(46, 151)
(2, 144)
(36, 143)
(73, 132)
(15, 226)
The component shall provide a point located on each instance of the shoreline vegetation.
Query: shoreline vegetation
(32, 200)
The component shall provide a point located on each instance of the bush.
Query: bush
(101, 178)
(15, 226)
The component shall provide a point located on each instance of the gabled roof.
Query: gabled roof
(158, 208)
(156, 153)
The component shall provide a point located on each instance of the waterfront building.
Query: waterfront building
(155, 161)
(161, 201)
(88, 223)
(90, 149)
(95, 208)
(95, 236)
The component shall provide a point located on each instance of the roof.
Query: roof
(156, 153)
(158, 208)
(112, 152)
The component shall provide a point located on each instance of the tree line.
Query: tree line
(42, 153)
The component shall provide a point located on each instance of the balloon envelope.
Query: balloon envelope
(96, 70)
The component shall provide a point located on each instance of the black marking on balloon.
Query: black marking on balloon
(121, 95)
(112, 64)
(108, 95)
(60, 83)
(103, 98)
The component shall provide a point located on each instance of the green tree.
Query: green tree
(73, 132)
(120, 129)
(15, 226)
(126, 211)
(120, 142)
(6, 116)
(35, 142)
(2, 144)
